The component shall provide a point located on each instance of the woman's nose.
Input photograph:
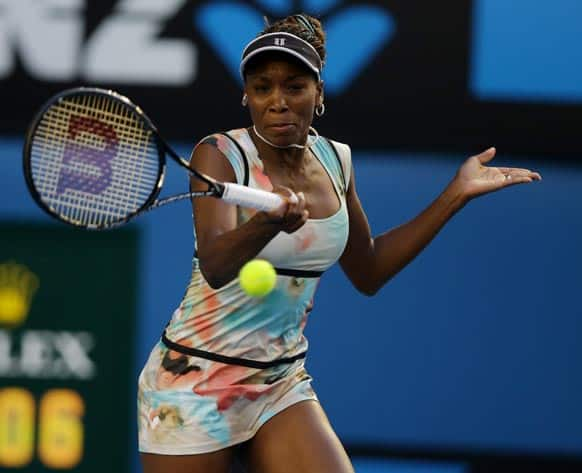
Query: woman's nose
(278, 101)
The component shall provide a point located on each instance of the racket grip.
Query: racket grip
(248, 197)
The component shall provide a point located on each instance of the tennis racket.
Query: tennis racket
(93, 159)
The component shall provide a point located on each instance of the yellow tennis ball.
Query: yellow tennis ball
(257, 277)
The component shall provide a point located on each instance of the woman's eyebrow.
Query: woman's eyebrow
(259, 76)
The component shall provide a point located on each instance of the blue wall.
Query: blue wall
(527, 50)
(375, 465)
(477, 344)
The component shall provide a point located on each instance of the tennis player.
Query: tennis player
(229, 369)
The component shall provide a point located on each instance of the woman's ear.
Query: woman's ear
(320, 92)
(245, 97)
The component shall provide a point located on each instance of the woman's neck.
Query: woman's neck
(287, 158)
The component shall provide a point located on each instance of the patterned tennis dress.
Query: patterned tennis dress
(192, 404)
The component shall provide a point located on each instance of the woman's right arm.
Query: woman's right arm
(222, 246)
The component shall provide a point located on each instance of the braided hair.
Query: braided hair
(305, 27)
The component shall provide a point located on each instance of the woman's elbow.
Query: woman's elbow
(369, 292)
(214, 283)
(212, 277)
(367, 288)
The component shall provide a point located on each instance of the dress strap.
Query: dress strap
(243, 156)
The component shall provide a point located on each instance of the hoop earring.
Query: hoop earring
(245, 100)
(320, 109)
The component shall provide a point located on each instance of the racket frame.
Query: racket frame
(215, 188)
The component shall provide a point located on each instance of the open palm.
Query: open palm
(473, 178)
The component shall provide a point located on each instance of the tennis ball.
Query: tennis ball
(257, 277)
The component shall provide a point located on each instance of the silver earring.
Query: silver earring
(245, 100)
(320, 109)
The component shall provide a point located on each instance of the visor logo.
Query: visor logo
(279, 41)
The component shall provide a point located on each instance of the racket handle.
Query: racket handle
(248, 197)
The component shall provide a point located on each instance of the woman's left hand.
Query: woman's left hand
(474, 179)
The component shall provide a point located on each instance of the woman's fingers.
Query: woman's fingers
(519, 172)
(486, 155)
(289, 198)
(292, 214)
(296, 215)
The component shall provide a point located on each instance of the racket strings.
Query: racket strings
(94, 160)
(106, 204)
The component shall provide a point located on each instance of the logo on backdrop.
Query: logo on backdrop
(36, 353)
(17, 287)
(544, 65)
(125, 47)
(355, 33)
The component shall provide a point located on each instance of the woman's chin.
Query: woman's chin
(285, 137)
(284, 141)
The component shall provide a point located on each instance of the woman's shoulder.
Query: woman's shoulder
(343, 153)
(337, 144)
(231, 144)
(236, 134)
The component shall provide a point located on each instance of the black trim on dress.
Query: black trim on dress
(344, 183)
(244, 158)
(229, 360)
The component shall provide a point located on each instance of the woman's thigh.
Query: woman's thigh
(215, 462)
(299, 438)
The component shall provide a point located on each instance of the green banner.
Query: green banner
(67, 319)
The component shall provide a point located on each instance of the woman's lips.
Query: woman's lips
(282, 127)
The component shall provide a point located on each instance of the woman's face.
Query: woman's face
(282, 97)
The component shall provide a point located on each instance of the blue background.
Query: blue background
(476, 345)
(527, 50)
